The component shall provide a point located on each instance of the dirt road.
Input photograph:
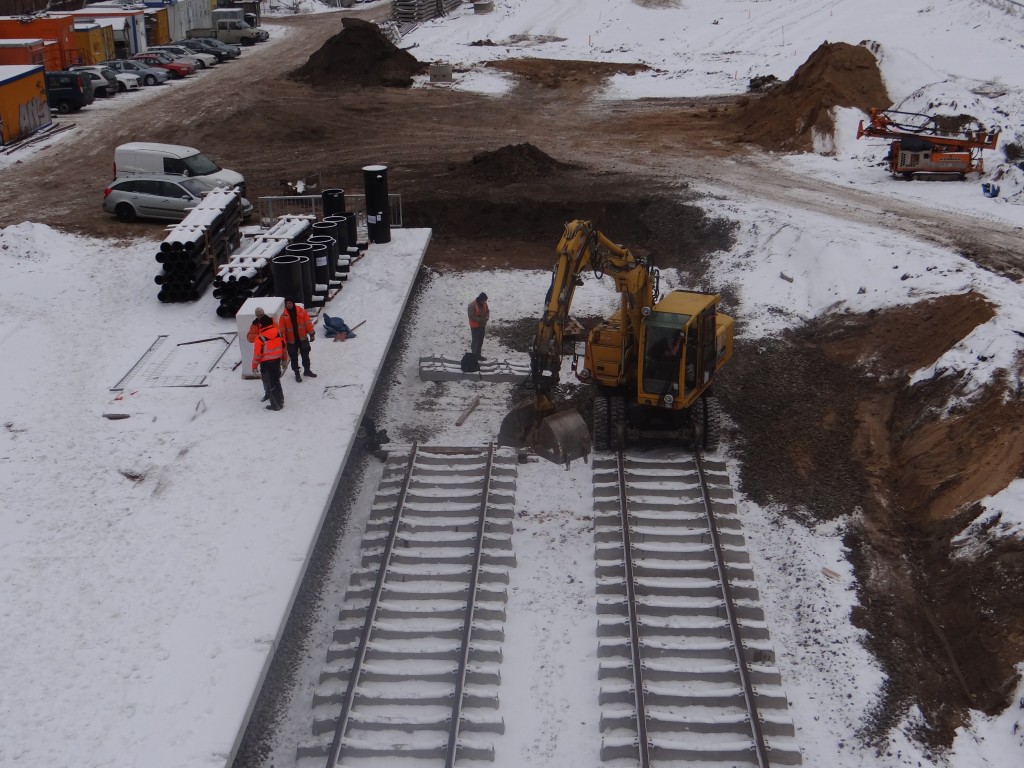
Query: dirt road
(251, 117)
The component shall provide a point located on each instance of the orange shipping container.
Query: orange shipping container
(23, 107)
(59, 28)
(22, 51)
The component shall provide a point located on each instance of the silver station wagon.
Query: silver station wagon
(157, 197)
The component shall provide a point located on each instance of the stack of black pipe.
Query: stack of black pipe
(252, 272)
(204, 238)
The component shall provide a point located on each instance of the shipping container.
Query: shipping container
(130, 38)
(22, 51)
(58, 27)
(23, 107)
(95, 41)
(158, 29)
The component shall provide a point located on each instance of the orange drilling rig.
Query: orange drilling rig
(921, 149)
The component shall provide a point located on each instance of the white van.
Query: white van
(141, 157)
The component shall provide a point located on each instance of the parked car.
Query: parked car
(176, 67)
(158, 196)
(233, 50)
(68, 91)
(102, 79)
(127, 82)
(222, 53)
(143, 158)
(199, 60)
(149, 75)
(101, 87)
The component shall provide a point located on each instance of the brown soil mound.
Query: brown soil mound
(511, 164)
(835, 75)
(359, 55)
(556, 73)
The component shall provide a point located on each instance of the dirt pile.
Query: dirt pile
(835, 75)
(359, 55)
(564, 73)
(514, 163)
(945, 622)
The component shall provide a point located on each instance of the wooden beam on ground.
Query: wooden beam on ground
(469, 410)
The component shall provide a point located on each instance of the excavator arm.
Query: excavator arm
(583, 248)
(562, 435)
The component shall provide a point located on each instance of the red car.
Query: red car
(176, 67)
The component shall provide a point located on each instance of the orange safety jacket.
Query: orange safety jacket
(305, 324)
(269, 345)
(254, 330)
(478, 316)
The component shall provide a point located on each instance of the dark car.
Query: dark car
(177, 67)
(197, 46)
(158, 196)
(149, 75)
(233, 49)
(68, 91)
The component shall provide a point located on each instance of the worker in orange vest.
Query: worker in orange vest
(479, 314)
(298, 332)
(269, 355)
(254, 329)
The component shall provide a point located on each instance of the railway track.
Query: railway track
(687, 671)
(414, 667)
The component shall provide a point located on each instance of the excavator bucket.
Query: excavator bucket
(560, 437)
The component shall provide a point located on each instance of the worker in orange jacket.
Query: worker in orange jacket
(298, 332)
(254, 329)
(479, 314)
(269, 355)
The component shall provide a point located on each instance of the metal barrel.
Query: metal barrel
(287, 273)
(346, 229)
(333, 200)
(378, 215)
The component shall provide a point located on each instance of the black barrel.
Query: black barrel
(332, 254)
(334, 201)
(303, 251)
(378, 215)
(287, 272)
(328, 229)
(346, 229)
(321, 256)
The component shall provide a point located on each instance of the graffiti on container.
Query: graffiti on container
(33, 115)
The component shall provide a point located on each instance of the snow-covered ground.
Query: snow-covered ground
(144, 562)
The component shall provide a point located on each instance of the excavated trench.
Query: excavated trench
(827, 424)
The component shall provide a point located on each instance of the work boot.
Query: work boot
(265, 398)
(298, 376)
(273, 407)
(309, 374)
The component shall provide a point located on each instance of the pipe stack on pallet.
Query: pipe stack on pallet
(204, 238)
(249, 273)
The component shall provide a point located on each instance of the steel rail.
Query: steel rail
(643, 745)
(467, 629)
(756, 730)
(371, 613)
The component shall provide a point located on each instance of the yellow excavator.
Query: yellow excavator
(653, 362)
